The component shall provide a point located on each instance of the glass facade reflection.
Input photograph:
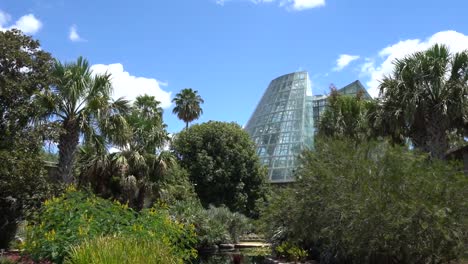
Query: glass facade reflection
(282, 124)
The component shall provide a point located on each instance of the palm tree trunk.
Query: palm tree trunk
(186, 125)
(437, 143)
(68, 143)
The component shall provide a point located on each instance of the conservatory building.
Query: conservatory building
(282, 124)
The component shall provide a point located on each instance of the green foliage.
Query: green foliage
(290, 252)
(187, 105)
(175, 186)
(223, 165)
(74, 217)
(135, 174)
(372, 203)
(80, 102)
(23, 182)
(5, 260)
(24, 185)
(213, 226)
(346, 117)
(116, 250)
(426, 97)
(18, 87)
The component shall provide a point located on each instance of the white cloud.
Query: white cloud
(344, 60)
(73, 36)
(288, 4)
(29, 24)
(376, 68)
(306, 4)
(129, 86)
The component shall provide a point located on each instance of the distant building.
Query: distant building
(284, 121)
(282, 124)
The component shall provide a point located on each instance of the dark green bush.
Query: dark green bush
(221, 160)
(23, 186)
(74, 217)
(373, 203)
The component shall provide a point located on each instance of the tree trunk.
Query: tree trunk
(437, 140)
(68, 143)
(186, 125)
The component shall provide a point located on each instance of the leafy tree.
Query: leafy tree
(222, 163)
(426, 97)
(347, 117)
(81, 102)
(379, 204)
(25, 71)
(187, 105)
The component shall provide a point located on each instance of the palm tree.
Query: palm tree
(187, 105)
(146, 121)
(81, 103)
(141, 163)
(426, 97)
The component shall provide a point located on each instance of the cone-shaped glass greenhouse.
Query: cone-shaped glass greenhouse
(282, 124)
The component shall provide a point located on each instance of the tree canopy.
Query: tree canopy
(372, 202)
(80, 102)
(187, 105)
(222, 163)
(347, 117)
(426, 98)
(25, 71)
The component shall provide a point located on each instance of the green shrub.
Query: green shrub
(290, 252)
(4, 260)
(214, 225)
(75, 216)
(373, 203)
(23, 186)
(221, 160)
(117, 250)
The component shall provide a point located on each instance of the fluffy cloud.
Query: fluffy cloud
(128, 86)
(306, 4)
(377, 67)
(73, 36)
(344, 60)
(289, 4)
(29, 24)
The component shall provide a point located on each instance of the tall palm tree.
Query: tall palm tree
(187, 105)
(427, 96)
(81, 103)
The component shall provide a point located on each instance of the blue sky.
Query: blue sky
(230, 50)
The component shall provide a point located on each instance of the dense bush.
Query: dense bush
(221, 160)
(116, 250)
(23, 186)
(75, 216)
(373, 203)
(214, 225)
(290, 252)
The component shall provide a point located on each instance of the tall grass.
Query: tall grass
(120, 250)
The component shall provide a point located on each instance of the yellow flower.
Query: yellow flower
(70, 188)
(50, 236)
